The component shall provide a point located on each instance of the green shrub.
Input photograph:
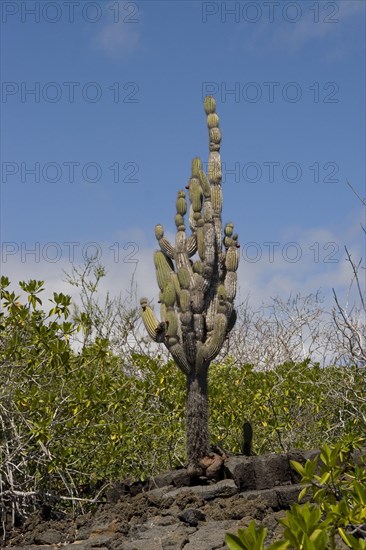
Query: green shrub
(72, 419)
(337, 511)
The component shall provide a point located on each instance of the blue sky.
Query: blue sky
(116, 117)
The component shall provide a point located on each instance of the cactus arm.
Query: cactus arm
(163, 268)
(231, 264)
(180, 358)
(166, 248)
(164, 244)
(192, 245)
(155, 329)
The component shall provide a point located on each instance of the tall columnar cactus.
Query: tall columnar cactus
(197, 280)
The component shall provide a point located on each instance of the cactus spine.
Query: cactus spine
(197, 295)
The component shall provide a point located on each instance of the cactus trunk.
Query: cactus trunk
(197, 295)
(198, 440)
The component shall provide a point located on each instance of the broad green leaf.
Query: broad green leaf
(234, 543)
(360, 491)
(280, 545)
(298, 467)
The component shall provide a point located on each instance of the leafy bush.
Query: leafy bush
(337, 511)
(69, 420)
(289, 406)
(72, 419)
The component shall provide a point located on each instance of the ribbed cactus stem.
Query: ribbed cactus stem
(168, 294)
(216, 197)
(214, 168)
(163, 269)
(218, 336)
(204, 184)
(198, 267)
(195, 194)
(150, 321)
(232, 258)
(179, 357)
(166, 248)
(181, 203)
(172, 323)
(183, 277)
(230, 285)
(159, 231)
(192, 245)
(215, 136)
(229, 228)
(212, 120)
(209, 104)
(196, 166)
(179, 222)
(184, 300)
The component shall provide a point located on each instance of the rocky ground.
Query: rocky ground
(169, 513)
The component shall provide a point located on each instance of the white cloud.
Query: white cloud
(274, 274)
(117, 39)
(293, 29)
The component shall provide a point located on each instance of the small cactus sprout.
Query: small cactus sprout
(247, 439)
(197, 280)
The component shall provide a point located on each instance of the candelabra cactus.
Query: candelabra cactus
(197, 295)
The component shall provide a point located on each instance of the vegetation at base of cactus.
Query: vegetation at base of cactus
(197, 295)
(95, 413)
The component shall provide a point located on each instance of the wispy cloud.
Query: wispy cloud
(317, 27)
(305, 261)
(313, 23)
(117, 39)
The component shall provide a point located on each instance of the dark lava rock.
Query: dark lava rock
(192, 516)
